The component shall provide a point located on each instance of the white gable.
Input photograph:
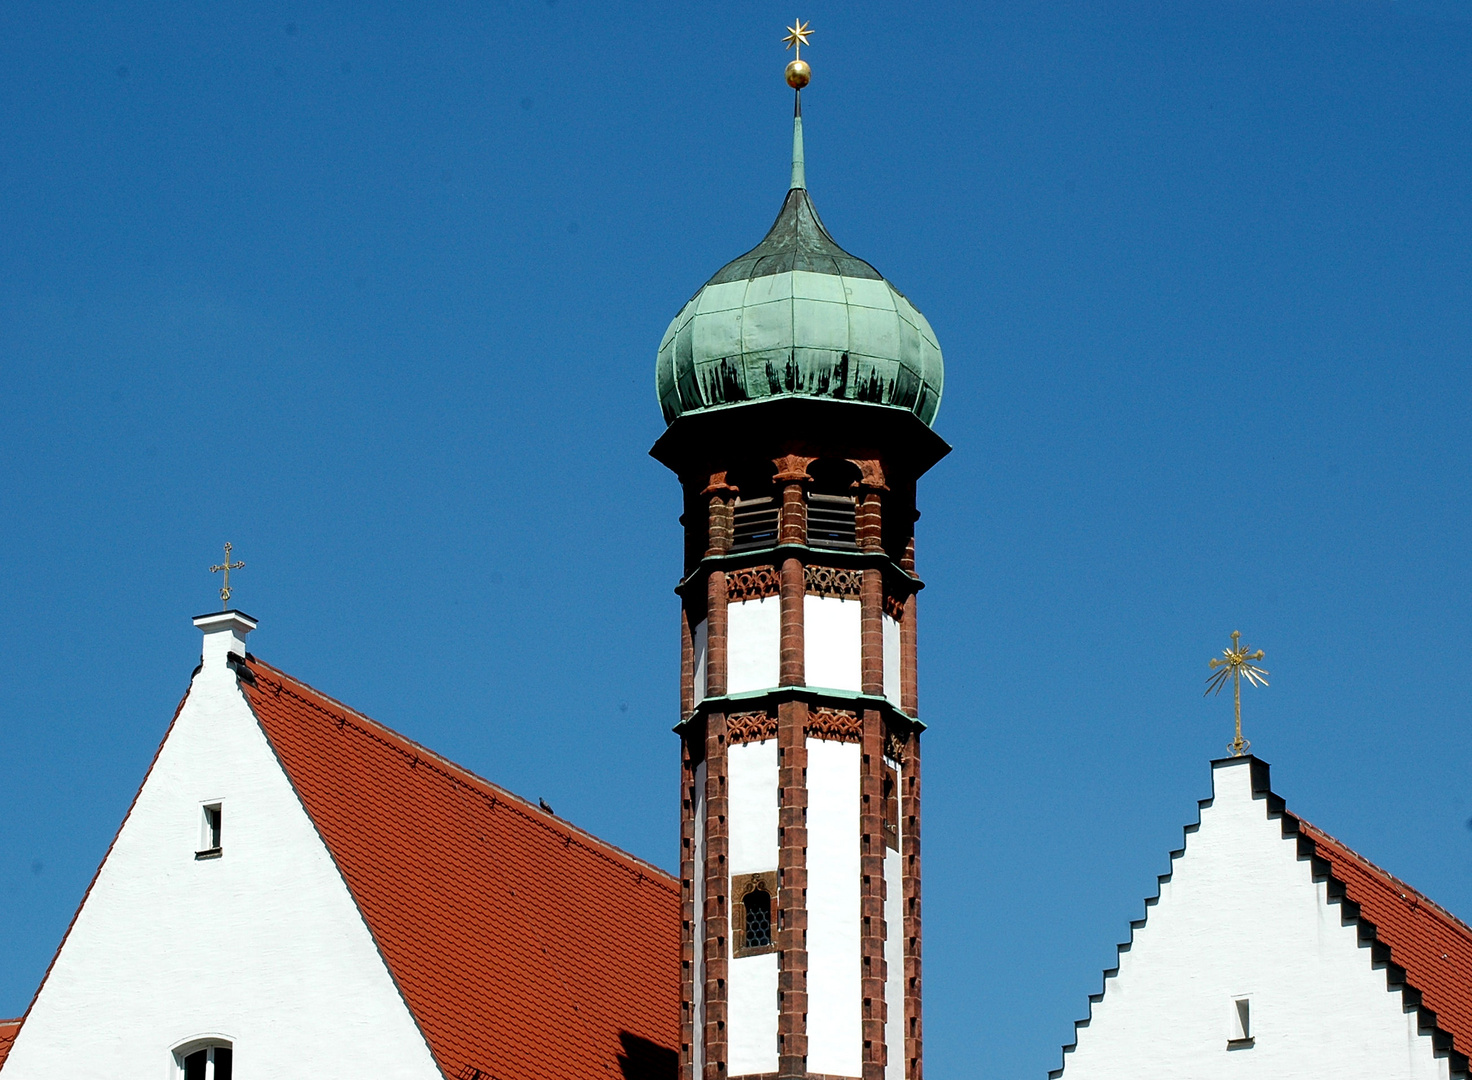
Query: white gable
(1240, 917)
(262, 946)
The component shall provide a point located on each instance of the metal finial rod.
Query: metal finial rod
(799, 74)
(1237, 662)
(226, 566)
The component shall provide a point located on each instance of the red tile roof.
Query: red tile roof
(525, 948)
(1429, 942)
(9, 1029)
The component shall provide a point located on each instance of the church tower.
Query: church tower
(799, 387)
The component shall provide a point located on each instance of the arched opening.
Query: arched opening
(205, 1059)
(758, 905)
(758, 511)
(833, 504)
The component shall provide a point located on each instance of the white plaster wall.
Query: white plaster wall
(752, 1011)
(697, 1042)
(1242, 916)
(835, 1035)
(702, 654)
(752, 821)
(892, 660)
(831, 643)
(751, 1021)
(894, 954)
(264, 945)
(753, 630)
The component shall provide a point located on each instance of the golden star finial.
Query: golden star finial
(797, 36)
(1238, 663)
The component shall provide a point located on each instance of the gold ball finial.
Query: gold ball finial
(798, 72)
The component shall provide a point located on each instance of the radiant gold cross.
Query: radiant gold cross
(226, 566)
(1237, 663)
(797, 36)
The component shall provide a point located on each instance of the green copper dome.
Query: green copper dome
(797, 316)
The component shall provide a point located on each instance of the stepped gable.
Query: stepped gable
(9, 1029)
(1432, 945)
(525, 948)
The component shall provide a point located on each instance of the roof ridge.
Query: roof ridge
(459, 774)
(1422, 900)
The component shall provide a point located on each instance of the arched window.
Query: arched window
(753, 915)
(833, 505)
(758, 905)
(205, 1059)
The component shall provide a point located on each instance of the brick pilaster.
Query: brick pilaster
(691, 751)
(871, 892)
(792, 884)
(868, 521)
(717, 897)
(687, 663)
(910, 863)
(871, 631)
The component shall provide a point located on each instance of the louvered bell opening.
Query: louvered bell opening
(831, 521)
(755, 523)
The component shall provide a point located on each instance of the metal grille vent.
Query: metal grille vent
(831, 521)
(754, 523)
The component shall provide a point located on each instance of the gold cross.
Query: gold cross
(1238, 663)
(226, 566)
(797, 36)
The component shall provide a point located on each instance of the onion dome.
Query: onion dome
(798, 317)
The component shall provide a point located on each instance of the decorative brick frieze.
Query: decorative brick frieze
(835, 725)
(832, 581)
(750, 727)
(752, 583)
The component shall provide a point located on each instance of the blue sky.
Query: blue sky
(375, 293)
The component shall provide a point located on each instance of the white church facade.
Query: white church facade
(298, 890)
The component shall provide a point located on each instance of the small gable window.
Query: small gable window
(211, 828)
(214, 1061)
(753, 931)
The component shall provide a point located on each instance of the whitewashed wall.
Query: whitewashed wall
(831, 643)
(835, 1034)
(892, 660)
(1241, 916)
(752, 788)
(751, 1022)
(263, 946)
(701, 639)
(753, 630)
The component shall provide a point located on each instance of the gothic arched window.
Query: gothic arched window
(758, 905)
(754, 929)
(212, 1061)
